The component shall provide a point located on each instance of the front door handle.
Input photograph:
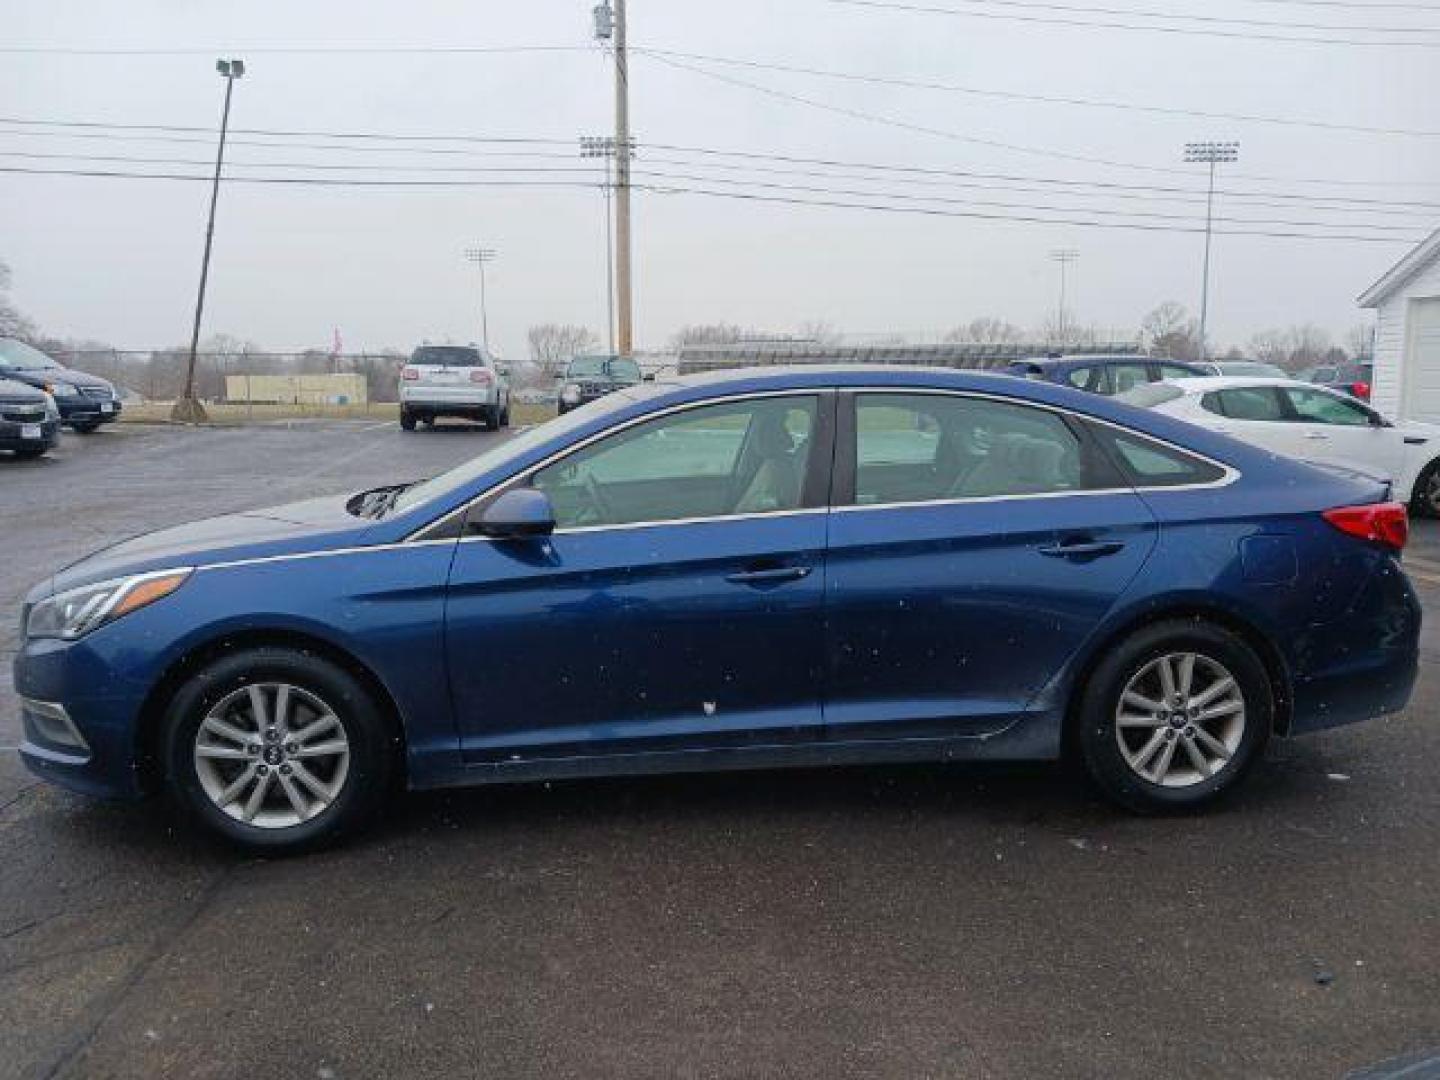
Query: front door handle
(1081, 549)
(769, 575)
(1316, 435)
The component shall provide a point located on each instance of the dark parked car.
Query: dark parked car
(1106, 375)
(85, 401)
(589, 377)
(29, 424)
(794, 567)
(1353, 379)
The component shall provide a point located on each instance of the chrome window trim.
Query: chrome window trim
(1229, 473)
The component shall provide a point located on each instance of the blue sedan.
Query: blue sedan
(750, 570)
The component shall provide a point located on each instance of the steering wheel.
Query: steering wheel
(598, 500)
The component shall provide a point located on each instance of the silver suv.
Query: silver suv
(454, 380)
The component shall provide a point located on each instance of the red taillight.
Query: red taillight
(482, 376)
(1380, 523)
(1361, 390)
(409, 374)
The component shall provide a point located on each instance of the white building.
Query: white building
(1407, 334)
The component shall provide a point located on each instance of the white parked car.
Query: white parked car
(1302, 420)
(454, 380)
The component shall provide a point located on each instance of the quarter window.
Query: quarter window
(927, 447)
(745, 457)
(1149, 464)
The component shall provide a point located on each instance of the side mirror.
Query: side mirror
(519, 513)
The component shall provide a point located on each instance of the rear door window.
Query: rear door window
(1125, 377)
(930, 447)
(1249, 403)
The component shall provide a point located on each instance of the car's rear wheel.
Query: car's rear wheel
(85, 427)
(1425, 499)
(278, 749)
(1174, 716)
(505, 414)
(407, 420)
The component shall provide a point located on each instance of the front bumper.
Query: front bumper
(79, 720)
(83, 409)
(24, 434)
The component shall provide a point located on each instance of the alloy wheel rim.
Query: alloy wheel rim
(1180, 720)
(1432, 491)
(272, 755)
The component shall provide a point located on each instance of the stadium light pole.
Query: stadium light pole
(1063, 256)
(480, 256)
(602, 146)
(1209, 153)
(188, 408)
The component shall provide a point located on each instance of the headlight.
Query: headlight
(60, 389)
(73, 614)
(571, 394)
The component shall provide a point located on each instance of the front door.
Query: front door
(1341, 430)
(678, 603)
(982, 542)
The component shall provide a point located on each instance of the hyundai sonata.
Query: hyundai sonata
(745, 570)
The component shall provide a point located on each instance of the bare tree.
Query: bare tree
(553, 344)
(1170, 331)
(819, 332)
(986, 330)
(712, 334)
(1360, 341)
(12, 322)
(1295, 347)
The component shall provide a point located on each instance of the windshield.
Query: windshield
(17, 356)
(447, 356)
(613, 367)
(509, 450)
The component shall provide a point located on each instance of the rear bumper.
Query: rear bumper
(441, 399)
(78, 408)
(1364, 664)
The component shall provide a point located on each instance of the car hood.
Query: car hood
(292, 529)
(40, 376)
(12, 392)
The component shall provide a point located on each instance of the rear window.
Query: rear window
(1147, 463)
(447, 356)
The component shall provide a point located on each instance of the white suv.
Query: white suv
(454, 380)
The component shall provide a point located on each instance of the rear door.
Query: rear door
(974, 545)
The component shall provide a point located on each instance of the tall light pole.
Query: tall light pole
(599, 146)
(1063, 256)
(610, 25)
(1210, 153)
(480, 256)
(188, 408)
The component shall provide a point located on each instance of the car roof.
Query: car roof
(1234, 382)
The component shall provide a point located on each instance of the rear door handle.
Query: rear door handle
(1081, 549)
(769, 575)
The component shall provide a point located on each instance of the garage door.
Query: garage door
(1422, 361)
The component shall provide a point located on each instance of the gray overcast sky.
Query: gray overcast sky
(118, 259)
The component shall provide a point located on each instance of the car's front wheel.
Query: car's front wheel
(277, 749)
(1174, 716)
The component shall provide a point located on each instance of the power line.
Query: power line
(746, 196)
(1088, 24)
(1043, 99)
(290, 50)
(274, 133)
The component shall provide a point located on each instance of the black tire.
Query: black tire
(490, 418)
(366, 725)
(1099, 736)
(85, 427)
(407, 420)
(1425, 498)
(505, 414)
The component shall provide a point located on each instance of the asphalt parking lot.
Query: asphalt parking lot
(919, 921)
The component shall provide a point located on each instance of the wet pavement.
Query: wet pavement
(861, 922)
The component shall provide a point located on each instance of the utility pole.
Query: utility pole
(594, 146)
(1063, 256)
(1209, 153)
(610, 22)
(188, 408)
(480, 256)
